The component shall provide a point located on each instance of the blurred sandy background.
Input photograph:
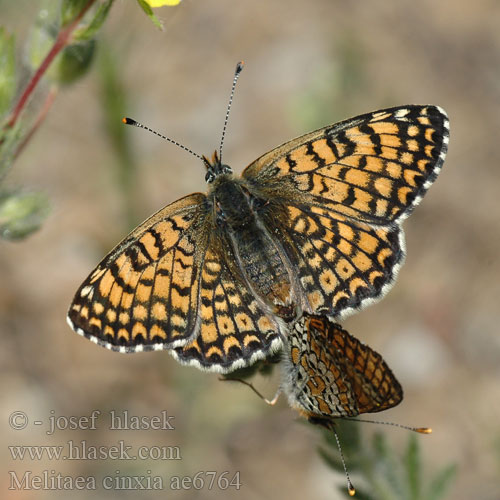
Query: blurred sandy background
(308, 64)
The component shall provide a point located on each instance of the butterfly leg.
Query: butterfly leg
(270, 402)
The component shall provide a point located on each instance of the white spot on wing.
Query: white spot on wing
(400, 113)
(85, 291)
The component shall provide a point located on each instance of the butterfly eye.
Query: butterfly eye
(209, 177)
(226, 169)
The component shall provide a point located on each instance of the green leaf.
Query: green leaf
(70, 9)
(149, 12)
(7, 70)
(387, 466)
(89, 31)
(73, 62)
(412, 463)
(441, 483)
(21, 214)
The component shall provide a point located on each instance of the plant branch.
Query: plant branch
(41, 116)
(59, 44)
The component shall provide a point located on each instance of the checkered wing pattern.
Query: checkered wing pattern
(338, 196)
(235, 330)
(340, 264)
(373, 168)
(330, 373)
(312, 226)
(144, 294)
(168, 283)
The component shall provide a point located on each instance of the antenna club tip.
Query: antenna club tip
(351, 490)
(239, 67)
(128, 121)
(424, 430)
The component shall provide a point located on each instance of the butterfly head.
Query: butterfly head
(215, 167)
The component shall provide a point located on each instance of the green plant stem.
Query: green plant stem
(61, 41)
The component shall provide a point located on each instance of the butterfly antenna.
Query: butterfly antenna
(238, 70)
(130, 121)
(420, 430)
(350, 487)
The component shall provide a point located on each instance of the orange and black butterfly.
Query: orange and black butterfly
(329, 374)
(312, 226)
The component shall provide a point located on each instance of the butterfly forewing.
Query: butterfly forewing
(373, 168)
(329, 373)
(144, 294)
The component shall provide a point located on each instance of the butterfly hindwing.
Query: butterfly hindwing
(235, 328)
(340, 264)
(329, 373)
(373, 168)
